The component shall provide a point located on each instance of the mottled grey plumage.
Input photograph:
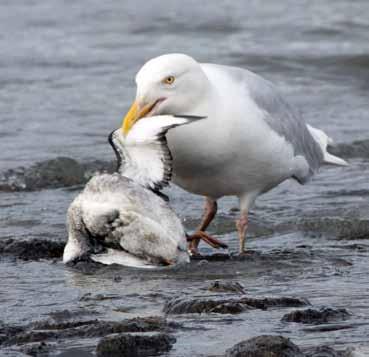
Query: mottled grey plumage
(118, 218)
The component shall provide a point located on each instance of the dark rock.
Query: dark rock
(37, 349)
(54, 173)
(75, 352)
(329, 327)
(51, 325)
(230, 308)
(63, 315)
(46, 330)
(134, 345)
(199, 306)
(284, 301)
(342, 228)
(7, 331)
(216, 257)
(226, 306)
(265, 346)
(33, 249)
(58, 172)
(99, 297)
(249, 255)
(311, 316)
(226, 287)
(325, 351)
(85, 265)
(359, 148)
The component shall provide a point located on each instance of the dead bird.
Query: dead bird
(123, 218)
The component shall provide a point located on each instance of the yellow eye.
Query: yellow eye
(169, 80)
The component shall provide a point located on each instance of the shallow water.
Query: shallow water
(67, 72)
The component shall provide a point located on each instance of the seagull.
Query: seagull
(123, 217)
(251, 140)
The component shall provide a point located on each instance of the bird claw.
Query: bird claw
(201, 235)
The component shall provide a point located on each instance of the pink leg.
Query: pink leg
(210, 211)
(242, 225)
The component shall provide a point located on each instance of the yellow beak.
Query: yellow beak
(134, 114)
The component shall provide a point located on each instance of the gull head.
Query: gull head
(168, 84)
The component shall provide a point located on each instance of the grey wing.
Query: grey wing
(281, 117)
(284, 119)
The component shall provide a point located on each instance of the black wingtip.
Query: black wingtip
(190, 117)
(115, 149)
(110, 139)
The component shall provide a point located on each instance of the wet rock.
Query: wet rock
(216, 257)
(37, 349)
(325, 351)
(54, 173)
(329, 327)
(59, 172)
(227, 306)
(117, 279)
(99, 297)
(270, 302)
(311, 316)
(85, 265)
(202, 305)
(63, 315)
(359, 148)
(33, 249)
(265, 346)
(124, 309)
(46, 330)
(227, 287)
(232, 307)
(52, 325)
(7, 331)
(134, 345)
(249, 255)
(342, 228)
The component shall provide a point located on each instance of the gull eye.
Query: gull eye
(169, 80)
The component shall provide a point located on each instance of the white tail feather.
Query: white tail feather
(323, 141)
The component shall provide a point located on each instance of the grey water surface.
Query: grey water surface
(67, 78)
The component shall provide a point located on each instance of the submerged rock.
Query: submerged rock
(325, 351)
(228, 306)
(33, 249)
(37, 349)
(45, 330)
(203, 305)
(359, 148)
(265, 346)
(54, 173)
(342, 228)
(134, 345)
(267, 302)
(63, 315)
(99, 297)
(227, 287)
(7, 331)
(311, 316)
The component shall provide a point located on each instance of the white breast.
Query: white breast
(233, 151)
